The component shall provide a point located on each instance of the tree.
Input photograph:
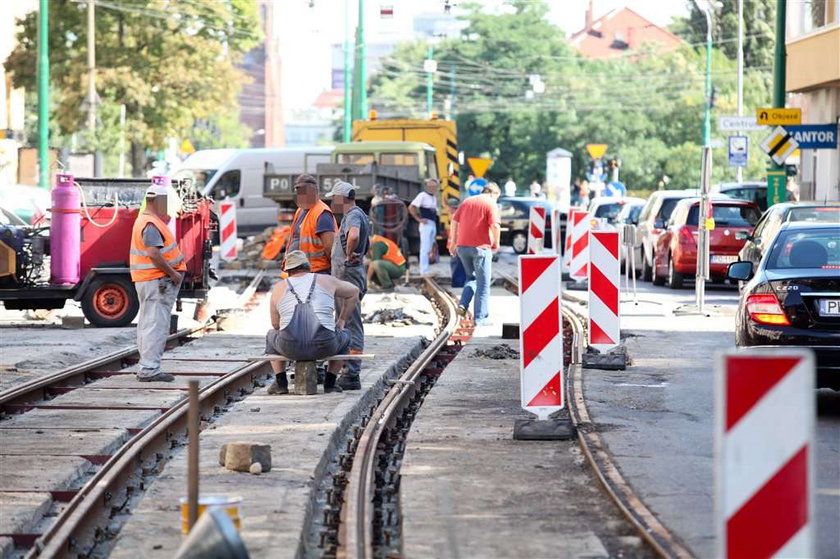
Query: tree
(169, 62)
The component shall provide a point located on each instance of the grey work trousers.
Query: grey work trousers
(156, 300)
(357, 276)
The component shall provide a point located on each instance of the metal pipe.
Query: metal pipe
(43, 95)
(779, 60)
(740, 85)
(348, 102)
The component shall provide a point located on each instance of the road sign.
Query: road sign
(814, 136)
(475, 186)
(536, 230)
(779, 145)
(764, 465)
(776, 186)
(738, 151)
(479, 165)
(604, 277)
(731, 123)
(227, 230)
(771, 116)
(596, 151)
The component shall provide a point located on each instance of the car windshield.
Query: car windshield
(828, 214)
(809, 248)
(199, 177)
(609, 211)
(727, 216)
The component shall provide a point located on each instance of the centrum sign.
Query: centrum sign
(814, 136)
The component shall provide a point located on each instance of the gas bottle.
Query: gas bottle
(65, 232)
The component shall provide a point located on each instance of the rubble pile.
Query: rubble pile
(501, 351)
(396, 317)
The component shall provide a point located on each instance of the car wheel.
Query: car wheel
(647, 269)
(519, 242)
(675, 279)
(110, 302)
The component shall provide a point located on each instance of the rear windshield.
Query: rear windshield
(814, 248)
(829, 214)
(610, 211)
(727, 216)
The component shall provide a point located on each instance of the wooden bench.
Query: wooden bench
(306, 372)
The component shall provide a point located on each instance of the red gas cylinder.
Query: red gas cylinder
(65, 231)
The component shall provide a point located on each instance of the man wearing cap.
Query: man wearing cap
(303, 320)
(313, 227)
(157, 268)
(347, 255)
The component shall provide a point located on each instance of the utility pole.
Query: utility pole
(707, 117)
(360, 68)
(348, 103)
(91, 62)
(44, 95)
(776, 176)
(429, 81)
(740, 170)
(702, 273)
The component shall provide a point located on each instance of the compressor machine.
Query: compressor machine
(83, 253)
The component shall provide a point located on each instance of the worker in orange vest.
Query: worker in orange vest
(387, 262)
(313, 227)
(279, 237)
(157, 269)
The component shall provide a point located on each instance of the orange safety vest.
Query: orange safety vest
(393, 255)
(310, 242)
(275, 244)
(142, 267)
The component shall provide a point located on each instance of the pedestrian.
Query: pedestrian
(424, 209)
(313, 227)
(535, 188)
(583, 203)
(303, 320)
(347, 262)
(387, 262)
(473, 237)
(157, 268)
(510, 187)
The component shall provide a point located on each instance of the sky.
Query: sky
(308, 28)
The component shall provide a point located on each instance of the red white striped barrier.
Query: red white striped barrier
(556, 241)
(604, 284)
(764, 453)
(580, 241)
(536, 230)
(541, 334)
(227, 228)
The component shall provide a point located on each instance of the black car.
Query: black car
(776, 216)
(515, 212)
(793, 297)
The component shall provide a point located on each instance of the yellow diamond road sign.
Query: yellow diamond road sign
(596, 151)
(771, 116)
(779, 145)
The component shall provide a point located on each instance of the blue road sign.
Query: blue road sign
(814, 136)
(476, 185)
(739, 151)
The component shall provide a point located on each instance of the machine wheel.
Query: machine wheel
(647, 269)
(519, 242)
(110, 302)
(675, 279)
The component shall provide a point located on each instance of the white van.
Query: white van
(238, 174)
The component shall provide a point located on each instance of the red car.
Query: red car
(676, 247)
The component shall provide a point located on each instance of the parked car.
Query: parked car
(608, 207)
(30, 203)
(515, 213)
(676, 247)
(629, 215)
(777, 215)
(652, 221)
(752, 191)
(792, 297)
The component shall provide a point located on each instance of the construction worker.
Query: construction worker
(347, 264)
(387, 262)
(303, 320)
(157, 269)
(280, 236)
(313, 227)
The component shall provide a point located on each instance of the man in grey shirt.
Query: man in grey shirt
(347, 264)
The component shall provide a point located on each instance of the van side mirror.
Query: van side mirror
(741, 271)
(742, 236)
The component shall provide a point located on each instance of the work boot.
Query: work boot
(349, 381)
(322, 371)
(160, 376)
(330, 385)
(280, 385)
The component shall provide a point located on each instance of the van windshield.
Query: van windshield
(199, 177)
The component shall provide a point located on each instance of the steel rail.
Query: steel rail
(355, 534)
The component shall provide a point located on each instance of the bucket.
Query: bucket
(230, 505)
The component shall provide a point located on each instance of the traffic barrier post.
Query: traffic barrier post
(536, 230)
(556, 236)
(580, 243)
(604, 279)
(764, 453)
(628, 241)
(227, 230)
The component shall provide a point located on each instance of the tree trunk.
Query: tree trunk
(138, 160)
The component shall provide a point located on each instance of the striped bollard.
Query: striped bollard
(536, 230)
(556, 237)
(567, 247)
(764, 453)
(541, 349)
(227, 230)
(604, 283)
(580, 243)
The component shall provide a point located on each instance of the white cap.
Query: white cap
(156, 190)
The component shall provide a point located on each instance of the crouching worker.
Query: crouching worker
(387, 263)
(304, 327)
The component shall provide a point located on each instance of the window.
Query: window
(227, 186)
(431, 166)
(400, 159)
(609, 211)
(508, 210)
(356, 158)
(816, 248)
(727, 216)
(668, 205)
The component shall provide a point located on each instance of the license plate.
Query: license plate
(724, 258)
(829, 307)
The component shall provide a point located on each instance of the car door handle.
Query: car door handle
(242, 202)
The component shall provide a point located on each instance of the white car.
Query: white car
(605, 210)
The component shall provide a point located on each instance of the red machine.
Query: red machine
(105, 289)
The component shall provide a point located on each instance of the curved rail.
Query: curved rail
(356, 531)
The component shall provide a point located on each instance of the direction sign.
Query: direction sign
(779, 145)
(773, 116)
(738, 151)
(814, 136)
(596, 151)
(732, 123)
(479, 165)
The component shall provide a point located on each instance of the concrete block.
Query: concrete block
(614, 360)
(577, 285)
(72, 322)
(306, 378)
(548, 430)
(241, 456)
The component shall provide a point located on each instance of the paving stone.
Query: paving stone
(41, 473)
(61, 441)
(19, 512)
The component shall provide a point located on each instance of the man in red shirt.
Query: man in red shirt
(473, 237)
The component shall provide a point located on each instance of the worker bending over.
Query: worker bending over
(275, 245)
(303, 320)
(347, 257)
(387, 262)
(157, 269)
(313, 227)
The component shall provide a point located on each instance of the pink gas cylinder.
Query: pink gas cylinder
(65, 231)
